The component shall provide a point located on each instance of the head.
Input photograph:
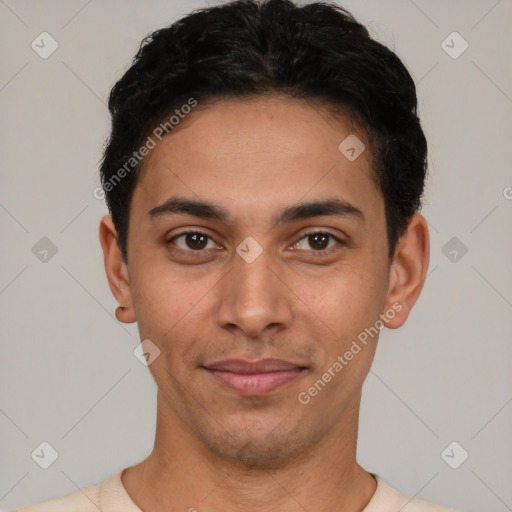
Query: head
(255, 126)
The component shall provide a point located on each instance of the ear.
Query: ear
(408, 271)
(117, 270)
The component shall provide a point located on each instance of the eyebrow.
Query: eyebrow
(207, 210)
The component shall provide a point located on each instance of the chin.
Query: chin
(254, 454)
(258, 447)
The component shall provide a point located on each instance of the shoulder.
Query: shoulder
(419, 505)
(72, 502)
(85, 499)
(387, 498)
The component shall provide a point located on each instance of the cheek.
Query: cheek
(171, 309)
(346, 301)
(161, 292)
(351, 309)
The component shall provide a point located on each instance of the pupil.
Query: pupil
(320, 237)
(197, 242)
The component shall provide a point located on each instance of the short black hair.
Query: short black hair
(246, 48)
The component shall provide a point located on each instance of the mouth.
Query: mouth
(254, 378)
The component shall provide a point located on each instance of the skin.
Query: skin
(216, 450)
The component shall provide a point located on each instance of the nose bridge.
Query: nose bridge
(253, 282)
(253, 297)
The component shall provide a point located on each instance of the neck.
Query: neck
(183, 473)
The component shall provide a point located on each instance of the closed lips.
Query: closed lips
(249, 367)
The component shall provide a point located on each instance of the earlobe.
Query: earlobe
(408, 271)
(123, 315)
(116, 270)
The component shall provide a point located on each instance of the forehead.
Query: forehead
(254, 153)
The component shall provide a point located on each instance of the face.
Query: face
(244, 274)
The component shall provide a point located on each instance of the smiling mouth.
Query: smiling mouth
(254, 378)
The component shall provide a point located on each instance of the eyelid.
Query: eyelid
(190, 232)
(324, 231)
(341, 241)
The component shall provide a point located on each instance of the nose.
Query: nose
(254, 299)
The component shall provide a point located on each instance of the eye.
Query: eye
(197, 242)
(319, 240)
(192, 241)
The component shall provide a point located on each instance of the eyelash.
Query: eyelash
(306, 235)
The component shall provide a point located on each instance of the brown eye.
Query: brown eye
(192, 241)
(318, 242)
(196, 241)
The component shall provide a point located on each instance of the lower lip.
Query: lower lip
(250, 384)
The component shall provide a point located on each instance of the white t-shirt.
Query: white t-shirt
(111, 496)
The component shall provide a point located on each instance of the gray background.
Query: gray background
(68, 374)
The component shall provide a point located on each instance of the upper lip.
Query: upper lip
(261, 366)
